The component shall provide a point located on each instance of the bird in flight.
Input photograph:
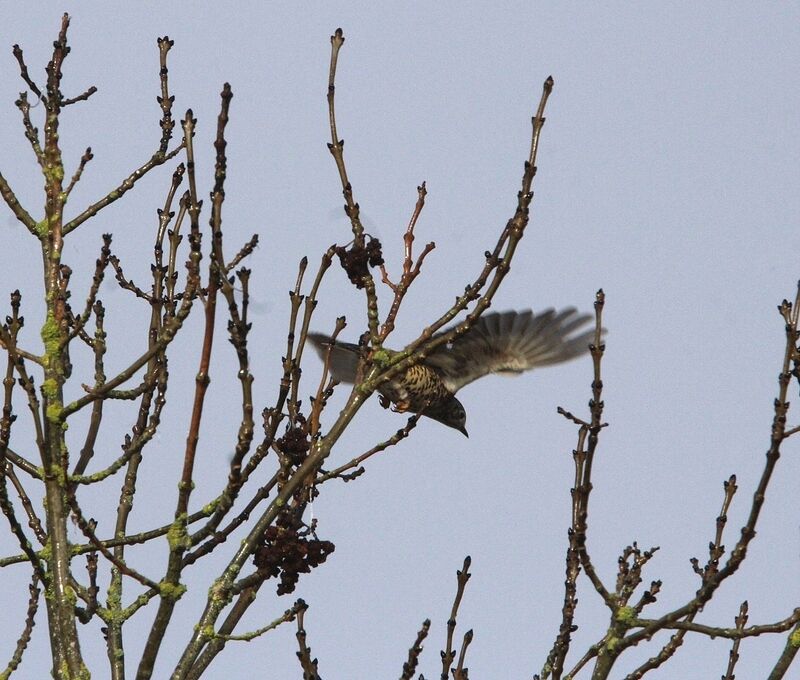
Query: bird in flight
(505, 343)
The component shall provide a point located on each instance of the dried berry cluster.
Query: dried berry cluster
(294, 444)
(356, 260)
(287, 551)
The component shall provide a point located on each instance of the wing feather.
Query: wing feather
(512, 342)
(344, 356)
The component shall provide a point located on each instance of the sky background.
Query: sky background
(667, 176)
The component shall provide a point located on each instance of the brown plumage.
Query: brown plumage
(500, 342)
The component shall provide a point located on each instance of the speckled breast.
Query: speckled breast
(418, 387)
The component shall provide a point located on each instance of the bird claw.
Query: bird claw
(401, 406)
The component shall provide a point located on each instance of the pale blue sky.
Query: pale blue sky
(667, 176)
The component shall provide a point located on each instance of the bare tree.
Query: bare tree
(276, 469)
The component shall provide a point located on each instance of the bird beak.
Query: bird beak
(463, 430)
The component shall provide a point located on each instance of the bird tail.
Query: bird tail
(344, 356)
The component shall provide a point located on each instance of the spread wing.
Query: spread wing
(511, 342)
(344, 356)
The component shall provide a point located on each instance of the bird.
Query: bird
(504, 343)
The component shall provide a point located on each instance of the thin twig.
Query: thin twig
(33, 520)
(461, 672)
(448, 653)
(31, 132)
(410, 269)
(309, 665)
(23, 72)
(160, 157)
(76, 177)
(340, 472)
(410, 666)
(27, 630)
(82, 97)
(288, 615)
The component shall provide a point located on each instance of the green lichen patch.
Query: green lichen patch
(626, 615)
(51, 336)
(54, 411)
(171, 591)
(50, 388)
(177, 536)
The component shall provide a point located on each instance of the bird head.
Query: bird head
(450, 413)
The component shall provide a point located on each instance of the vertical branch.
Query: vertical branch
(175, 239)
(324, 387)
(310, 304)
(27, 631)
(76, 177)
(238, 328)
(577, 555)
(166, 100)
(733, 655)
(461, 672)
(597, 349)
(351, 208)
(410, 666)
(448, 653)
(99, 347)
(179, 539)
(202, 379)
(33, 520)
(555, 659)
(336, 146)
(66, 653)
(7, 509)
(410, 269)
(31, 133)
(238, 325)
(309, 665)
(8, 340)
